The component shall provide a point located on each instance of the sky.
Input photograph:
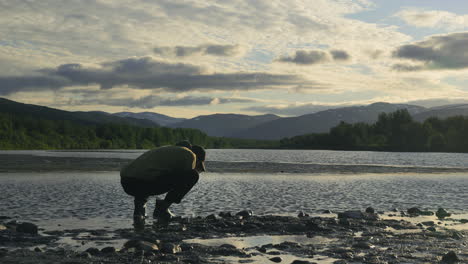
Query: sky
(185, 58)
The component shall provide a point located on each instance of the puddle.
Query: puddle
(250, 243)
(256, 241)
(456, 221)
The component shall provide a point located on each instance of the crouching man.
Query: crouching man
(170, 169)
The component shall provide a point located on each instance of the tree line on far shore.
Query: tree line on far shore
(26, 132)
(395, 131)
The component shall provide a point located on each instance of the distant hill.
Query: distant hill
(89, 118)
(225, 125)
(321, 121)
(160, 119)
(443, 112)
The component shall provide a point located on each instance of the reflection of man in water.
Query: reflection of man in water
(169, 169)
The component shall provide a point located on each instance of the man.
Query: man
(170, 169)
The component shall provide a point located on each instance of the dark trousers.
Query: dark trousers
(176, 185)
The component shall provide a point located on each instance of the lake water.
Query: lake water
(71, 197)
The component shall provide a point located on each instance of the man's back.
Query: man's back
(157, 161)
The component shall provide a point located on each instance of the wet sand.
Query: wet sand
(353, 237)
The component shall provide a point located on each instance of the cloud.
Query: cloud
(151, 101)
(433, 19)
(147, 73)
(304, 57)
(439, 52)
(207, 49)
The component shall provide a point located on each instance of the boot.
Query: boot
(140, 208)
(162, 212)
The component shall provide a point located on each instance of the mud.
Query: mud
(391, 237)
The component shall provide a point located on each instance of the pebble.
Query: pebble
(276, 259)
(301, 262)
(225, 214)
(370, 210)
(450, 257)
(38, 250)
(302, 214)
(245, 213)
(170, 248)
(363, 245)
(28, 228)
(211, 217)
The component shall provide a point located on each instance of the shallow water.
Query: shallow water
(97, 199)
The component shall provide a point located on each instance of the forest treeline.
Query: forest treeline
(26, 132)
(396, 131)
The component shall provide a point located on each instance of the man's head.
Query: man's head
(200, 153)
(184, 143)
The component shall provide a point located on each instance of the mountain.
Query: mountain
(160, 119)
(321, 121)
(225, 125)
(87, 118)
(443, 112)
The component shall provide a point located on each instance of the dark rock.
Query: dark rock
(28, 228)
(170, 248)
(428, 223)
(211, 217)
(432, 229)
(276, 259)
(108, 250)
(245, 213)
(2, 217)
(301, 262)
(341, 261)
(326, 212)
(38, 250)
(302, 214)
(274, 253)
(357, 215)
(363, 245)
(228, 246)
(414, 211)
(225, 214)
(450, 257)
(93, 251)
(141, 245)
(457, 235)
(370, 210)
(442, 213)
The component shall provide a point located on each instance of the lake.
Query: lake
(311, 181)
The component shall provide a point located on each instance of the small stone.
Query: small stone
(450, 257)
(428, 223)
(28, 228)
(442, 213)
(276, 259)
(93, 251)
(170, 248)
(38, 250)
(370, 210)
(363, 245)
(211, 217)
(245, 213)
(228, 246)
(457, 235)
(302, 214)
(432, 229)
(108, 250)
(274, 253)
(414, 211)
(326, 212)
(351, 214)
(301, 262)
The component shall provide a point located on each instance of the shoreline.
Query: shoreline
(347, 237)
(11, 163)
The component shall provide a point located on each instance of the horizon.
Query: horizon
(192, 58)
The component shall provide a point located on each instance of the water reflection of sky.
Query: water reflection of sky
(82, 196)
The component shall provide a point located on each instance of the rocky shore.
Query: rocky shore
(345, 237)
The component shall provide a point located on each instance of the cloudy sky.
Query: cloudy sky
(185, 58)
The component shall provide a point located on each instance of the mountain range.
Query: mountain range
(267, 126)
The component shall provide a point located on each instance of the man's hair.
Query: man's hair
(199, 151)
(184, 143)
